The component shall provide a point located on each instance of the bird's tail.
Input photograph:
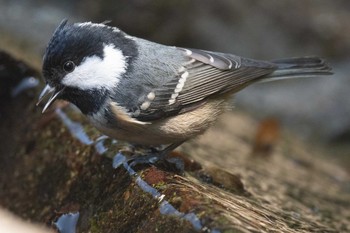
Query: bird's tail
(298, 68)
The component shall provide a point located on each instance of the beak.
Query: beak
(47, 90)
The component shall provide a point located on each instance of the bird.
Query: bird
(150, 94)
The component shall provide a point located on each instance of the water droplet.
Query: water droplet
(25, 84)
(118, 160)
(99, 144)
(76, 129)
(67, 223)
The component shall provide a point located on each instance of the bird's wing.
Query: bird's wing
(206, 74)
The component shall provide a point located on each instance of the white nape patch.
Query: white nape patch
(101, 25)
(130, 37)
(95, 72)
(90, 24)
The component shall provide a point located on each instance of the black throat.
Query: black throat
(88, 101)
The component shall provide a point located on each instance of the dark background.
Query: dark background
(317, 109)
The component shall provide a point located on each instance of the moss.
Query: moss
(160, 185)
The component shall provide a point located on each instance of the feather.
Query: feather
(209, 74)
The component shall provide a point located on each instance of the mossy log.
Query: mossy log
(51, 165)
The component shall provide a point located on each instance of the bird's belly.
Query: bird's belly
(166, 131)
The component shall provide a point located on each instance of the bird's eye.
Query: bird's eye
(69, 66)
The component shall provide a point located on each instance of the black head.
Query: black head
(83, 62)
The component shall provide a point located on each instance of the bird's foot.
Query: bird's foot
(153, 156)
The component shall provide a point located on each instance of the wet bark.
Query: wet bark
(51, 165)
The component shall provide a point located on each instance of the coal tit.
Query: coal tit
(146, 93)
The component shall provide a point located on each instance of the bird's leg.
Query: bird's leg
(166, 151)
(154, 155)
(141, 156)
(179, 163)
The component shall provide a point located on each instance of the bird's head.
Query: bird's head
(84, 62)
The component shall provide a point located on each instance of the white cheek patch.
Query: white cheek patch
(95, 72)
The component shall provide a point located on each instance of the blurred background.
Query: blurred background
(318, 109)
